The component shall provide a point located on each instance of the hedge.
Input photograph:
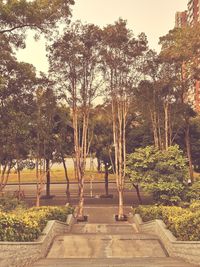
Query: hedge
(27, 225)
(183, 223)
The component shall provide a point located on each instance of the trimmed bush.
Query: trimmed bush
(183, 223)
(27, 225)
(9, 203)
(193, 192)
(161, 173)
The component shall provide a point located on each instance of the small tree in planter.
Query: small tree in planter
(162, 173)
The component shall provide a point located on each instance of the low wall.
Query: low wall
(187, 250)
(21, 254)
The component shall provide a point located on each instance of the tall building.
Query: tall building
(193, 13)
(181, 19)
(189, 18)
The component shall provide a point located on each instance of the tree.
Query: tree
(121, 55)
(74, 64)
(37, 15)
(181, 45)
(195, 142)
(17, 105)
(101, 144)
(181, 48)
(162, 173)
(63, 132)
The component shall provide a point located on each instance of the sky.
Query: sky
(153, 17)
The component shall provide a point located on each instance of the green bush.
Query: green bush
(27, 225)
(149, 213)
(16, 228)
(161, 173)
(9, 203)
(183, 223)
(195, 206)
(193, 192)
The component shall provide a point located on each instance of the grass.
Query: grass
(57, 175)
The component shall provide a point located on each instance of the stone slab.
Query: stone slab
(136, 262)
(104, 228)
(104, 246)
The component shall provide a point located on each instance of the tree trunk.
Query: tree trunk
(81, 202)
(188, 149)
(121, 206)
(66, 177)
(40, 175)
(19, 180)
(48, 178)
(8, 174)
(98, 165)
(37, 189)
(2, 185)
(154, 127)
(106, 179)
(166, 111)
(136, 186)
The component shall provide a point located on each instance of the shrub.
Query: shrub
(9, 203)
(27, 225)
(193, 192)
(161, 173)
(184, 223)
(166, 193)
(149, 213)
(16, 228)
(195, 206)
(187, 226)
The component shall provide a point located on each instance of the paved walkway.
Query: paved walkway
(103, 242)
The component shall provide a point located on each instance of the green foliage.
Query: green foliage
(193, 192)
(27, 225)
(184, 223)
(161, 173)
(167, 193)
(195, 142)
(195, 206)
(9, 203)
(36, 14)
(181, 45)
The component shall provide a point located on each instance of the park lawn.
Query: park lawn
(57, 176)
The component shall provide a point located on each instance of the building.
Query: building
(189, 18)
(181, 19)
(193, 12)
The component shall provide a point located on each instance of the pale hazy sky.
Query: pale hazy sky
(154, 17)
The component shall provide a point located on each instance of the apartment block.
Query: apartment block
(189, 18)
(181, 19)
(193, 14)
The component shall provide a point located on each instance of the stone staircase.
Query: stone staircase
(136, 262)
(112, 244)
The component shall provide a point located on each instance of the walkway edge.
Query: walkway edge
(21, 254)
(186, 250)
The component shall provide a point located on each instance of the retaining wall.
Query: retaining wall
(187, 250)
(21, 254)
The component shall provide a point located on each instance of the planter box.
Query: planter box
(187, 250)
(21, 254)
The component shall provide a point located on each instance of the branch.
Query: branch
(20, 27)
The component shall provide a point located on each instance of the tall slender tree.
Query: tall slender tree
(74, 64)
(121, 56)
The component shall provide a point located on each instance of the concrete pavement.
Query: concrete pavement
(103, 242)
(92, 196)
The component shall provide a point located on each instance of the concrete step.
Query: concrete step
(136, 262)
(106, 246)
(104, 228)
(104, 214)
